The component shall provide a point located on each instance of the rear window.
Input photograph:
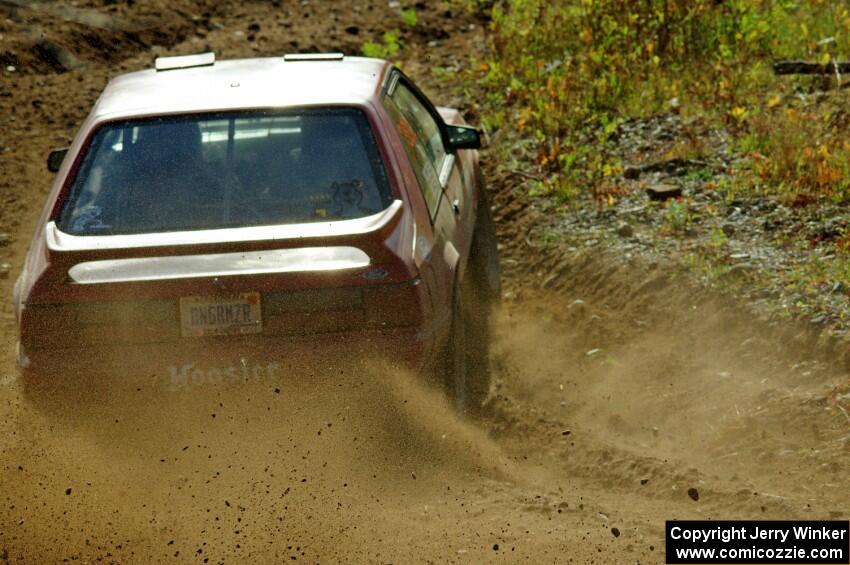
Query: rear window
(226, 170)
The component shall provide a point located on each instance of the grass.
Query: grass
(390, 44)
(797, 153)
(410, 17)
(677, 217)
(560, 78)
(566, 74)
(391, 41)
(819, 274)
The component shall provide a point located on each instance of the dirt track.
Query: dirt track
(615, 396)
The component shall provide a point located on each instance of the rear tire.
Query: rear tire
(468, 358)
(468, 374)
(484, 252)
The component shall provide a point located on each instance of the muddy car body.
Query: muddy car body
(229, 274)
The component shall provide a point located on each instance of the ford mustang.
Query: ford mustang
(218, 220)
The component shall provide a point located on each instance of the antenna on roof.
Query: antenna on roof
(314, 57)
(184, 61)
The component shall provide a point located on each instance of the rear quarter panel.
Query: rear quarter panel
(463, 188)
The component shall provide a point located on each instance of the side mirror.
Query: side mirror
(54, 160)
(464, 137)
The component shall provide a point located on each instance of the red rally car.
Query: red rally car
(228, 219)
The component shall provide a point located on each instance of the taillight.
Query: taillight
(400, 304)
(316, 300)
(48, 326)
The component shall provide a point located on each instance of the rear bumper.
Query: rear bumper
(191, 361)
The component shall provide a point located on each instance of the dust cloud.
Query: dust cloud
(323, 466)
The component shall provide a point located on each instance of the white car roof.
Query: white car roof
(270, 82)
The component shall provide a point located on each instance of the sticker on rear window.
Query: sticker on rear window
(89, 219)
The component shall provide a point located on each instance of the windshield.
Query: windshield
(227, 170)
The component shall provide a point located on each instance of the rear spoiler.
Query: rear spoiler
(367, 234)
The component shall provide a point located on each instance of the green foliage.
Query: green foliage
(410, 17)
(390, 45)
(677, 217)
(444, 74)
(550, 238)
(566, 73)
(700, 175)
(797, 153)
(717, 239)
(816, 272)
(706, 265)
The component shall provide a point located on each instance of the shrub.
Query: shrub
(390, 45)
(565, 74)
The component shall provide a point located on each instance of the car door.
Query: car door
(421, 130)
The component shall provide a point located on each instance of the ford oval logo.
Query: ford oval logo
(375, 274)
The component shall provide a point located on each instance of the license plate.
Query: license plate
(237, 314)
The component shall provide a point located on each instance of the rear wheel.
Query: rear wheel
(468, 357)
(484, 253)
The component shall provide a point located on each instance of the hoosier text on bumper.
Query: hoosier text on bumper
(192, 374)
